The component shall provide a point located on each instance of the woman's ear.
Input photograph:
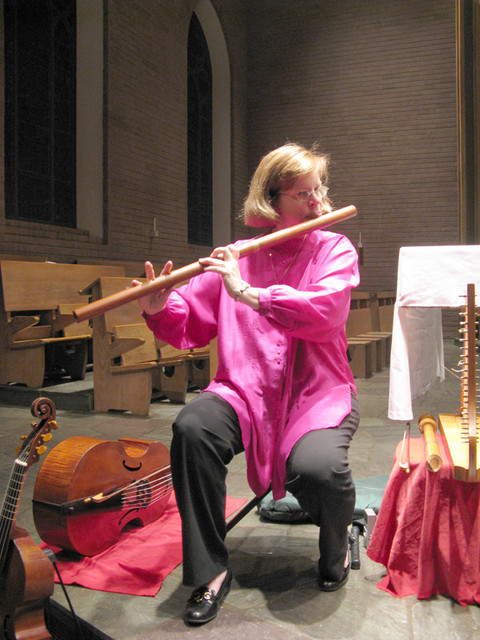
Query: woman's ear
(272, 200)
(273, 203)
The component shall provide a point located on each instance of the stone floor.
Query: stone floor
(274, 593)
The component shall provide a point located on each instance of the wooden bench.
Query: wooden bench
(129, 268)
(381, 310)
(129, 362)
(386, 305)
(197, 369)
(362, 356)
(364, 324)
(35, 337)
(362, 351)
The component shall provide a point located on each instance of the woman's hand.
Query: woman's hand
(224, 260)
(154, 302)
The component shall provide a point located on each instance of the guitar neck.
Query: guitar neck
(33, 446)
(10, 503)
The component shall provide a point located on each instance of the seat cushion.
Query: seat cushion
(369, 494)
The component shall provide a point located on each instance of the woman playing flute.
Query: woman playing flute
(283, 393)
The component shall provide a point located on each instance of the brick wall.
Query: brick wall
(232, 16)
(146, 119)
(373, 81)
(147, 132)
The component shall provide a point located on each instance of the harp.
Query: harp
(461, 432)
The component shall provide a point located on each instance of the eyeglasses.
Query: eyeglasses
(304, 196)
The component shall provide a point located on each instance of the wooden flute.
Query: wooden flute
(98, 307)
(428, 425)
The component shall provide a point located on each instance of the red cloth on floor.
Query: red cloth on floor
(427, 532)
(139, 562)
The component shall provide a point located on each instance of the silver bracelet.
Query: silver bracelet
(241, 289)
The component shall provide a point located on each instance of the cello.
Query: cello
(89, 491)
(26, 577)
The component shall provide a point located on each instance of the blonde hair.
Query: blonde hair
(278, 170)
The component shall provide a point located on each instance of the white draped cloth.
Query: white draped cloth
(429, 278)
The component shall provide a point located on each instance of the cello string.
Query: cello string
(131, 492)
(155, 486)
(132, 487)
(10, 502)
(163, 489)
(13, 492)
(134, 483)
(155, 498)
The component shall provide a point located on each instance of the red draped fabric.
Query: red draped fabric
(139, 562)
(427, 532)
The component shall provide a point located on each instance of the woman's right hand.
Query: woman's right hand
(154, 302)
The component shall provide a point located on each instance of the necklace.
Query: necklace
(278, 280)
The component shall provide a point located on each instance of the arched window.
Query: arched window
(40, 107)
(199, 137)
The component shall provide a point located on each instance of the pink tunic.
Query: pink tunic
(283, 368)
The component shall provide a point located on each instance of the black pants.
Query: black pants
(206, 436)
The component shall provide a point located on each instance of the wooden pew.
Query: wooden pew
(34, 337)
(386, 304)
(129, 267)
(129, 362)
(382, 307)
(362, 356)
(363, 323)
(381, 320)
(375, 310)
(362, 351)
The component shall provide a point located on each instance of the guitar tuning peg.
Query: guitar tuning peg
(41, 449)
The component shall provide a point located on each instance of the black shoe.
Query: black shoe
(333, 585)
(204, 604)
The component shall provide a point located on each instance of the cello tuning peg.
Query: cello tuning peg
(53, 424)
(23, 437)
(41, 449)
(47, 437)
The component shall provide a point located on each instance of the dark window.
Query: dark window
(40, 117)
(199, 137)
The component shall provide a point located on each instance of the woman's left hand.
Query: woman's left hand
(224, 260)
